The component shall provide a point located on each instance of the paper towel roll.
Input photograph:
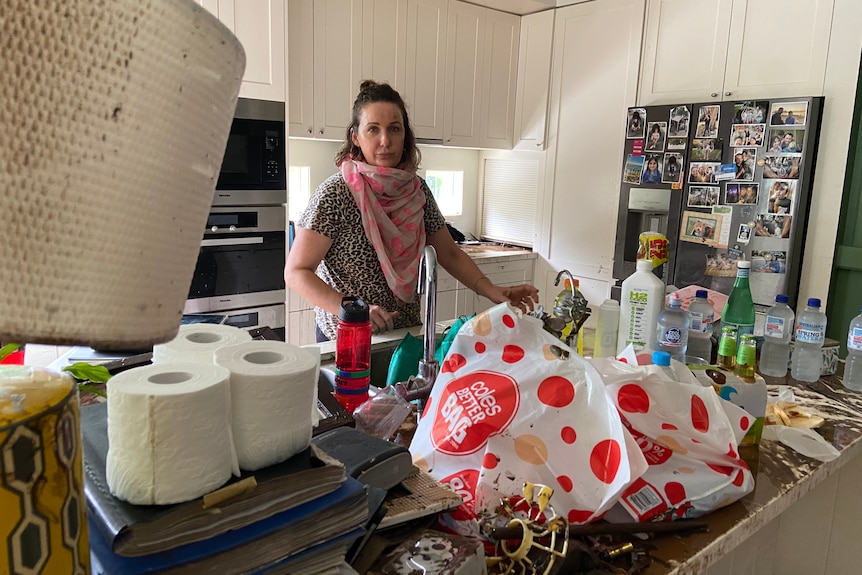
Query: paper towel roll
(169, 437)
(273, 398)
(197, 342)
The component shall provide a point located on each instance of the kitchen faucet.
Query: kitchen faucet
(420, 387)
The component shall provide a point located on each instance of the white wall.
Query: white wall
(319, 157)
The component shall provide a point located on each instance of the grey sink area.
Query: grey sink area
(380, 358)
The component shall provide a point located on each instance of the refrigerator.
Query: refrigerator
(722, 181)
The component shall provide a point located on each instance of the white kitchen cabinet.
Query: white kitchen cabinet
(427, 25)
(733, 49)
(384, 41)
(534, 79)
(507, 273)
(481, 77)
(300, 328)
(259, 25)
(325, 66)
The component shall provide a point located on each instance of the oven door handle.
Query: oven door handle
(232, 241)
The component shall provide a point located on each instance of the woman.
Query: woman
(365, 228)
(655, 139)
(651, 174)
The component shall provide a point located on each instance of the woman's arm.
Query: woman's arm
(464, 269)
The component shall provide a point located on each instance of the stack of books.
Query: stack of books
(300, 516)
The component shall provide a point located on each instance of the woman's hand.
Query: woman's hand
(381, 320)
(523, 297)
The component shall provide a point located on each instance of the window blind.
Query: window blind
(510, 189)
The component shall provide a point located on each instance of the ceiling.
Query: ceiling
(520, 7)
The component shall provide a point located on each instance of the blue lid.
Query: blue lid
(813, 302)
(661, 358)
(701, 293)
(781, 298)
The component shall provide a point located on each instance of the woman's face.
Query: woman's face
(380, 134)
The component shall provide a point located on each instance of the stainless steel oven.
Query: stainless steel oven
(253, 171)
(240, 269)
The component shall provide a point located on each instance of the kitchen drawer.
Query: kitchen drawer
(524, 267)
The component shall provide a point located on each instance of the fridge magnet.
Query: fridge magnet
(772, 226)
(707, 122)
(673, 168)
(700, 228)
(637, 147)
(702, 196)
(726, 215)
(706, 149)
(633, 169)
(743, 161)
(721, 265)
(781, 193)
(678, 122)
(744, 233)
(636, 123)
(731, 194)
(750, 112)
(788, 114)
(747, 134)
(702, 172)
(726, 172)
(676, 143)
(741, 194)
(786, 166)
(768, 261)
(652, 170)
(786, 140)
(656, 137)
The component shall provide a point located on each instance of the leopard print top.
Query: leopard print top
(351, 265)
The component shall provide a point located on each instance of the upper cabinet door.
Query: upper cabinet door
(499, 79)
(684, 51)
(384, 37)
(534, 78)
(464, 65)
(426, 66)
(762, 32)
(300, 53)
(337, 64)
(259, 26)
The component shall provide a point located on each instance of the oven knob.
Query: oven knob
(214, 229)
(232, 228)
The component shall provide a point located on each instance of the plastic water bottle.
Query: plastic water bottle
(563, 304)
(607, 330)
(807, 355)
(353, 353)
(775, 353)
(661, 359)
(853, 363)
(672, 328)
(701, 315)
(739, 309)
(641, 301)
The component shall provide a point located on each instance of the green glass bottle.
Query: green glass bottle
(739, 309)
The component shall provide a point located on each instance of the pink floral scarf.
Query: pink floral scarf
(392, 205)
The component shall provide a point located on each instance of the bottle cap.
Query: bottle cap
(674, 301)
(568, 284)
(661, 358)
(644, 265)
(354, 310)
(813, 302)
(743, 264)
(701, 293)
(781, 298)
(729, 329)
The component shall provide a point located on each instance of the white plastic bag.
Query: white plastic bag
(513, 404)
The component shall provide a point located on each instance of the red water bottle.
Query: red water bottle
(353, 353)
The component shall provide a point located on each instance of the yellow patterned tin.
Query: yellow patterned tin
(43, 522)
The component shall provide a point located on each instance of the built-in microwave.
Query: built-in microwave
(253, 171)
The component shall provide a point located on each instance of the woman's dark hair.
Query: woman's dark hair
(371, 92)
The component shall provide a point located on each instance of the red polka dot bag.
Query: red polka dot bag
(512, 404)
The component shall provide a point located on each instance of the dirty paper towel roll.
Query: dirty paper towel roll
(169, 437)
(197, 342)
(273, 399)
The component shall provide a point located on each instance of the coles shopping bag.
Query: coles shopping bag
(689, 436)
(513, 404)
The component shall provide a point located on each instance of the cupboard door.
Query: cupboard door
(684, 51)
(426, 66)
(534, 79)
(762, 33)
(300, 39)
(499, 79)
(464, 65)
(384, 38)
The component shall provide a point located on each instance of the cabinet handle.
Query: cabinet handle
(538, 144)
(714, 94)
(320, 132)
(309, 131)
(727, 93)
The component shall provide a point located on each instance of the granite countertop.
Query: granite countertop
(782, 476)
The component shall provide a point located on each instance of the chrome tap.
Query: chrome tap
(420, 386)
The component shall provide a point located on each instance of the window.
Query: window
(448, 189)
(510, 191)
(299, 190)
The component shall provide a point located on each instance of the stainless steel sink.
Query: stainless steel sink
(380, 359)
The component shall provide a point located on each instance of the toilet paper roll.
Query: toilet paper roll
(273, 398)
(169, 437)
(197, 342)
